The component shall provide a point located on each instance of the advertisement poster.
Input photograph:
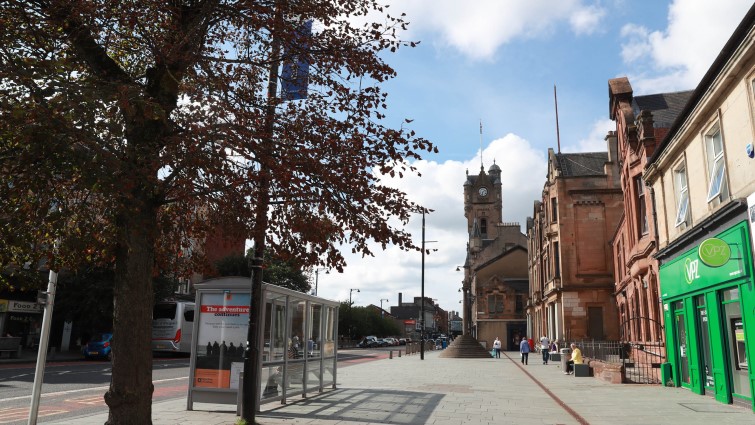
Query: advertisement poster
(221, 339)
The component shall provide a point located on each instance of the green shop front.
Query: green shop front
(709, 307)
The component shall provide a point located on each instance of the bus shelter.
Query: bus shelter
(298, 346)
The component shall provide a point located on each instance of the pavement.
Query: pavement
(443, 391)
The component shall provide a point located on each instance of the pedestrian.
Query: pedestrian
(524, 349)
(545, 346)
(576, 358)
(497, 348)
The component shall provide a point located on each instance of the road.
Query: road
(76, 388)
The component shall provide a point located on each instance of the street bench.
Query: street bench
(11, 345)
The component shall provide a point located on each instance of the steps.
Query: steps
(465, 347)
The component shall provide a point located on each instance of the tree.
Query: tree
(285, 273)
(358, 322)
(130, 129)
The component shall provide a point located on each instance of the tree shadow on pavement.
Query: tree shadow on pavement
(361, 405)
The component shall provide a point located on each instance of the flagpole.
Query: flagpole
(558, 134)
(482, 167)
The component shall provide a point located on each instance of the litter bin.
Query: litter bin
(565, 357)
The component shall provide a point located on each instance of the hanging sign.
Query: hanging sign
(714, 252)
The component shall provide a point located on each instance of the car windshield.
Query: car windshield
(101, 338)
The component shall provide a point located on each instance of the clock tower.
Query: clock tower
(483, 205)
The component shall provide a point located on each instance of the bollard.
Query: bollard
(399, 353)
(390, 354)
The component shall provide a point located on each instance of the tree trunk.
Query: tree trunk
(130, 394)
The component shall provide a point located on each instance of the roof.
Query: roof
(581, 164)
(664, 106)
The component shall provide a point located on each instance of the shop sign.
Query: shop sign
(3, 306)
(716, 260)
(23, 307)
(714, 252)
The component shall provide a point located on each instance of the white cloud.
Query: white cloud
(596, 140)
(587, 20)
(677, 57)
(477, 29)
(441, 189)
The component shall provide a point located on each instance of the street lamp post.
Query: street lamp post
(381, 306)
(422, 306)
(351, 318)
(317, 273)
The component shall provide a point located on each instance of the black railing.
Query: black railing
(641, 361)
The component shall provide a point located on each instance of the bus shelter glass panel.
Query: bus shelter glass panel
(315, 333)
(272, 379)
(222, 330)
(274, 346)
(296, 309)
(329, 336)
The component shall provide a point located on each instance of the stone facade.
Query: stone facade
(641, 123)
(570, 260)
(495, 281)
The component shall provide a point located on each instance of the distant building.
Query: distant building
(495, 281)
(410, 315)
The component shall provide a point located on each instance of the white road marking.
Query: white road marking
(81, 390)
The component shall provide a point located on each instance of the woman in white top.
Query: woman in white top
(497, 348)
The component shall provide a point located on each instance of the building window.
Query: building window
(682, 196)
(519, 303)
(554, 210)
(495, 304)
(642, 216)
(556, 261)
(484, 227)
(714, 146)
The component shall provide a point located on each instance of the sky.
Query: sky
(496, 62)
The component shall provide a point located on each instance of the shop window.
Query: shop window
(718, 188)
(682, 196)
(737, 336)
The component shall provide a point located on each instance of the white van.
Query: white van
(173, 326)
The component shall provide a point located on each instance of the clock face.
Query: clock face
(483, 191)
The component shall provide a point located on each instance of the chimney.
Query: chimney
(399, 299)
(611, 167)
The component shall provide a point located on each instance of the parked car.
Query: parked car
(369, 342)
(402, 341)
(99, 347)
(390, 341)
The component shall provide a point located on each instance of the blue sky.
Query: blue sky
(497, 61)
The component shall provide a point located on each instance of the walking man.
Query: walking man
(524, 349)
(545, 346)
